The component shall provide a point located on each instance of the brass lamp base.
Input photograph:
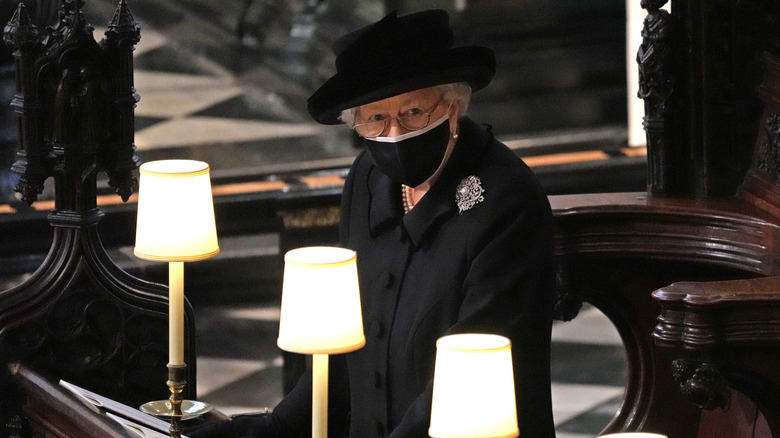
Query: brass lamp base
(175, 409)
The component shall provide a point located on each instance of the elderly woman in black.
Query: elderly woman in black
(453, 234)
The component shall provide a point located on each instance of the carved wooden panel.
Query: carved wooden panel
(79, 316)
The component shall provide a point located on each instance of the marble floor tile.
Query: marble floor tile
(571, 400)
(179, 100)
(590, 326)
(214, 374)
(213, 131)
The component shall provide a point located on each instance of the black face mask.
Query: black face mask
(413, 157)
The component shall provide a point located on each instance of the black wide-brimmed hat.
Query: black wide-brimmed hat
(397, 55)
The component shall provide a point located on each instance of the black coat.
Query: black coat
(437, 271)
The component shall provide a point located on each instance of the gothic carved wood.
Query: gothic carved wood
(698, 69)
(657, 83)
(79, 317)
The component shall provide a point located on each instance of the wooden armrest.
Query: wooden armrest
(738, 313)
(742, 292)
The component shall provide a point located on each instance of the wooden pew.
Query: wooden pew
(53, 412)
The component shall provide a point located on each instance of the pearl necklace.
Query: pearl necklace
(406, 197)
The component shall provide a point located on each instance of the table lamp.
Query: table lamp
(473, 388)
(175, 224)
(320, 315)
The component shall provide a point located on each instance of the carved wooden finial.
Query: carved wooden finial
(75, 105)
(20, 30)
(123, 29)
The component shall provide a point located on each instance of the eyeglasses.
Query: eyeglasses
(412, 119)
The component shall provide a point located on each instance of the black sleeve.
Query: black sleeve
(242, 426)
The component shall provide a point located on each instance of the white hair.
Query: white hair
(452, 92)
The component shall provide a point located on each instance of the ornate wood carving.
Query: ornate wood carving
(698, 67)
(702, 384)
(79, 317)
(761, 184)
(769, 146)
(75, 98)
(736, 33)
(657, 85)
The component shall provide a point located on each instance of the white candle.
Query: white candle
(319, 396)
(176, 313)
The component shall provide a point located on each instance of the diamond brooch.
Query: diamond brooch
(469, 193)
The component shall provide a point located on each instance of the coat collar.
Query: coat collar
(439, 203)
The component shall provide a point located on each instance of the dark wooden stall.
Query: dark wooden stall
(699, 248)
(78, 317)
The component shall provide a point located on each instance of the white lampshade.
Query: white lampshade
(320, 311)
(473, 388)
(633, 435)
(175, 212)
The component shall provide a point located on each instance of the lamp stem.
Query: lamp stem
(319, 407)
(176, 313)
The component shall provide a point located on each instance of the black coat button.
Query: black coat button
(376, 376)
(386, 279)
(380, 428)
(377, 329)
(401, 234)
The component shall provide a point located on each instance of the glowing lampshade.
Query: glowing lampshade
(473, 388)
(175, 212)
(320, 302)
